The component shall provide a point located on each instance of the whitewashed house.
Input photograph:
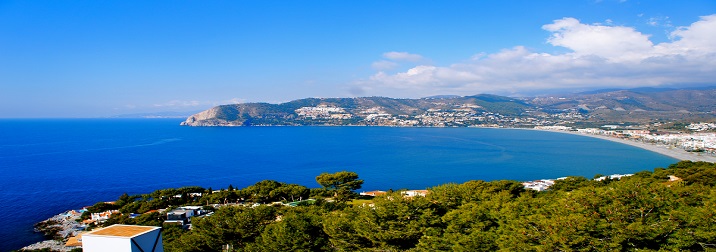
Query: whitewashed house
(123, 238)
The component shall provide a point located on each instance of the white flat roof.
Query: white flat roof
(119, 230)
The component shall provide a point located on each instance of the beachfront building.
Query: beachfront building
(123, 238)
(557, 128)
(103, 216)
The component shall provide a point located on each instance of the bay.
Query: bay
(51, 165)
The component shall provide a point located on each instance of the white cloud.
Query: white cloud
(659, 21)
(600, 56)
(700, 37)
(403, 56)
(391, 60)
(616, 43)
(382, 65)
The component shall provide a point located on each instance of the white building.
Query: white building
(413, 193)
(123, 238)
(539, 185)
(320, 111)
(613, 176)
(103, 216)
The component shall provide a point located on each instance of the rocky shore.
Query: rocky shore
(59, 228)
(52, 245)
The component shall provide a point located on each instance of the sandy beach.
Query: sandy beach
(666, 150)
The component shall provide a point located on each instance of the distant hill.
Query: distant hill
(626, 105)
(638, 90)
(637, 104)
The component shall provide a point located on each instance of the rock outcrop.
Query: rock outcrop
(210, 117)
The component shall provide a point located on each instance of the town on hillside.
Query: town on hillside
(692, 137)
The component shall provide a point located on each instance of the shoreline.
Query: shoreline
(665, 150)
(676, 153)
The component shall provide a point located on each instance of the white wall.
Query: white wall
(92, 243)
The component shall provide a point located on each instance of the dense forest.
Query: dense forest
(670, 208)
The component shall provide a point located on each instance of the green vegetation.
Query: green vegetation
(341, 184)
(670, 208)
(499, 104)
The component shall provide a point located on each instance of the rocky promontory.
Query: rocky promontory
(210, 117)
(57, 228)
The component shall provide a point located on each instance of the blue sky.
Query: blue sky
(103, 58)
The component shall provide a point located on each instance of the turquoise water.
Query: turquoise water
(49, 166)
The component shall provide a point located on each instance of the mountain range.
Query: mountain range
(604, 106)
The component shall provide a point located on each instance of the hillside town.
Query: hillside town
(441, 115)
(695, 138)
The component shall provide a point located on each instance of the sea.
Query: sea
(48, 166)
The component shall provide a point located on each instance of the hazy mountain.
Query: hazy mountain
(637, 104)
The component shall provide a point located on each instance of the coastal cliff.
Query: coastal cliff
(246, 114)
(210, 117)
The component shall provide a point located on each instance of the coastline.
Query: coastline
(665, 150)
(604, 138)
